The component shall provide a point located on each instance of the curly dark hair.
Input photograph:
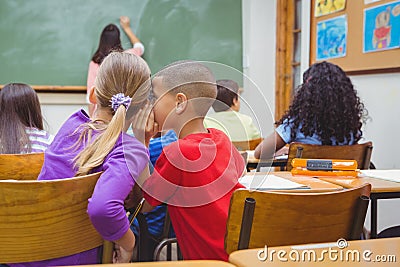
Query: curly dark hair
(326, 104)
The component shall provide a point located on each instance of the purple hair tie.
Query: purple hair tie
(120, 99)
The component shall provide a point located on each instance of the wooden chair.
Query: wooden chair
(173, 251)
(259, 218)
(42, 220)
(21, 166)
(359, 152)
(247, 145)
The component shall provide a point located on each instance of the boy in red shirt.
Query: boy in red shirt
(196, 175)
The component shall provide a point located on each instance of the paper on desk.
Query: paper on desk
(390, 175)
(250, 154)
(284, 156)
(269, 182)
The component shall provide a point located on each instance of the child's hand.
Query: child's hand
(143, 124)
(124, 21)
(121, 255)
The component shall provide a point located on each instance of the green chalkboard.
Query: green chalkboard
(50, 42)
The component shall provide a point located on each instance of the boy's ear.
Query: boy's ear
(236, 104)
(235, 101)
(181, 103)
(92, 96)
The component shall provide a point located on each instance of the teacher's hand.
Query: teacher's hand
(124, 21)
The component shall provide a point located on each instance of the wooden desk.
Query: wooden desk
(315, 185)
(196, 263)
(367, 250)
(381, 189)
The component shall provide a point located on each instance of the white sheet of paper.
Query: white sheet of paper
(390, 175)
(250, 154)
(269, 182)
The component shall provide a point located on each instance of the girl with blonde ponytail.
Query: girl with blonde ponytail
(86, 145)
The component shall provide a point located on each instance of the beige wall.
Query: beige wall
(56, 108)
(259, 62)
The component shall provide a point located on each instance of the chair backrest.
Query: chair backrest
(359, 152)
(20, 166)
(42, 220)
(247, 145)
(258, 218)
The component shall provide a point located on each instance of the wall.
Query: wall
(381, 95)
(259, 43)
(57, 107)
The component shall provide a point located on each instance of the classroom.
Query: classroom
(265, 47)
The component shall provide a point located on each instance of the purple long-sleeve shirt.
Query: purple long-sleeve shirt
(106, 206)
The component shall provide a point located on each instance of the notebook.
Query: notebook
(269, 182)
(390, 175)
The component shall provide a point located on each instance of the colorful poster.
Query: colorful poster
(382, 27)
(325, 7)
(331, 38)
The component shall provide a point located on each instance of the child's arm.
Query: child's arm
(147, 207)
(268, 146)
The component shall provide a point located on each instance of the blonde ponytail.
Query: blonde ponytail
(94, 154)
(120, 73)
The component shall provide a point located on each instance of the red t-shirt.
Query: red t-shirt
(196, 177)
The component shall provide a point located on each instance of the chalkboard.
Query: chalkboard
(51, 42)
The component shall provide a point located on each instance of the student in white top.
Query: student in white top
(237, 126)
(21, 121)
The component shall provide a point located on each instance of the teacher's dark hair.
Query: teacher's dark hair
(19, 109)
(326, 104)
(109, 41)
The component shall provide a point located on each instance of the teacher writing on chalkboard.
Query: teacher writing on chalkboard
(110, 41)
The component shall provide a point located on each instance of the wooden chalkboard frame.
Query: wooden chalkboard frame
(356, 62)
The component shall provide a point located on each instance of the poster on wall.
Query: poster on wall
(382, 27)
(331, 38)
(325, 7)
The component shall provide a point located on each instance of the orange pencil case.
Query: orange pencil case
(325, 164)
(324, 167)
(303, 171)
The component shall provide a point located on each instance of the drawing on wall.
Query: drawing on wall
(382, 27)
(325, 7)
(366, 2)
(331, 38)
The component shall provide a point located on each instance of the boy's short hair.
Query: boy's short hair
(227, 91)
(193, 79)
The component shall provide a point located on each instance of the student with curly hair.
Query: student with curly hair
(326, 110)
